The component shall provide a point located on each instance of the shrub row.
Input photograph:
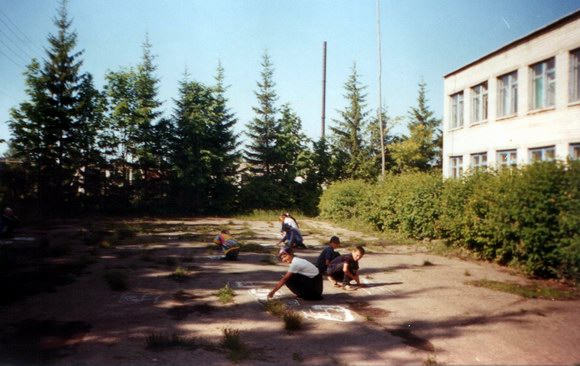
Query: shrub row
(527, 217)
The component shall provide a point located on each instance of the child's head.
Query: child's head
(286, 254)
(334, 242)
(358, 252)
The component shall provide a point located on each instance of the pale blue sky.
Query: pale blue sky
(425, 38)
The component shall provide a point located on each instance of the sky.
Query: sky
(420, 40)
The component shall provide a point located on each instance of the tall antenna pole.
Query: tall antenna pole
(323, 88)
(380, 110)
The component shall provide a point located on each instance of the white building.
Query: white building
(517, 104)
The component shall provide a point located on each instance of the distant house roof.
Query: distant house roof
(545, 29)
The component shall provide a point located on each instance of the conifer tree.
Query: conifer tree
(348, 132)
(47, 128)
(261, 152)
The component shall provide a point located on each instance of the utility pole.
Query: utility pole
(323, 88)
(380, 110)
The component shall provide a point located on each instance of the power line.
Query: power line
(11, 50)
(9, 58)
(26, 54)
(23, 34)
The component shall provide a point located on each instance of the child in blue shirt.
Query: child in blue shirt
(328, 254)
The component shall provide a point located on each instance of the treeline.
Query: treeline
(75, 148)
(527, 217)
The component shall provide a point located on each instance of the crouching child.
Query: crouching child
(229, 246)
(302, 278)
(344, 269)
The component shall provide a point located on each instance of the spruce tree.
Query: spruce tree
(261, 152)
(348, 132)
(47, 128)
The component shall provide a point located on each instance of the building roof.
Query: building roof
(545, 29)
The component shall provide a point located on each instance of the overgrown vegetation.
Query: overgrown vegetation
(528, 218)
(292, 320)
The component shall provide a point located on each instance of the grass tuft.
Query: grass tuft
(467, 273)
(427, 263)
(275, 307)
(180, 273)
(292, 320)
(237, 350)
(226, 294)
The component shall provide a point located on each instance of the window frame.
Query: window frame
(456, 166)
(457, 110)
(541, 72)
(478, 161)
(543, 150)
(574, 76)
(507, 90)
(479, 103)
(571, 149)
(510, 163)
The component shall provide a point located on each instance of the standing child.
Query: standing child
(345, 268)
(302, 278)
(228, 244)
(328, 254)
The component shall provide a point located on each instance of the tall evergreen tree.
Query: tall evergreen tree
(348, 133)
(422, 149)
(261, 152)
(262, 155)
(224, 143)
(51, 117)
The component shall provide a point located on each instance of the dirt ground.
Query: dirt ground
(416, 308)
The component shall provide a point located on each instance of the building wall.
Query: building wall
(558, 125)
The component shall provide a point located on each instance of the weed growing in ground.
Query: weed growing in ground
(275, 307)
(237, 350)
(427, 263)
(292, 320)
(430, 361)
(466, 273)
(226, 294)
(116, 280)
(180, 273)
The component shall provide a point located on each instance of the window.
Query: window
(543, 154)
(507, 158)
(457, 110)
(575, 76)
(479, 161)
(456, 166)
(543, 84)
(575, 151)
(508, 94)
(479, 103)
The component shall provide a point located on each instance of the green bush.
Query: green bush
(342, 200)
(528, 217)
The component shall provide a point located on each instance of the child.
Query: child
(229, 245)
(302, 278)
(8, 222)
(328, 254)
(292, 237)
(345, 269)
